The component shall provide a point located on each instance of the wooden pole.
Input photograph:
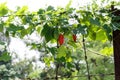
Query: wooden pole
(116, 46)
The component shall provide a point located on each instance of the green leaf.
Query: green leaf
(72, 43)
(1, 28)
(61, 59)
(38, 29)
(5, 57)
(7, 33)
(53, 50)
(68, 59)
(50, 8)
(108, 32)
(14, 28)
(92, 35)
(27, 19)
(69, 4)
(47, 61)
(101, 36)
(109, 36)
(107, 28)
(23, 33)
(95, 21)
(41, 11)
(69, 65)
(22, 10)
(115, 25)
(30, 29)
(45, 29)
(66, 30)
(82, 29)
(62, 50)
(2, 43)
(49, 34)
(3, 9)
(34, 74)
(107, 51)
(56, 33)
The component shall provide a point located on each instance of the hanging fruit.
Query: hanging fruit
(74, 37)
(61, 39)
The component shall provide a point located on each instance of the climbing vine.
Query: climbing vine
(61, 31)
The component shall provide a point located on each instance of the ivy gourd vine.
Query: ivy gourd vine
(61, 27)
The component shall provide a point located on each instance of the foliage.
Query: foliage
(92, 21)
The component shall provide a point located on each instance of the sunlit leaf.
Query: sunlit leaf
(3, 9)
(62, 50)
(107, 51)
(47, 61)
(69, 4)
(101, 36)
(22, 10)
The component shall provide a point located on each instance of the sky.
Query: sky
(36, 4)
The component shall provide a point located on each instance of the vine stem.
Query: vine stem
(84, 48)
(57, 65)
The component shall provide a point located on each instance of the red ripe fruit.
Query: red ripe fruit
(61, 39)
(74, 37)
